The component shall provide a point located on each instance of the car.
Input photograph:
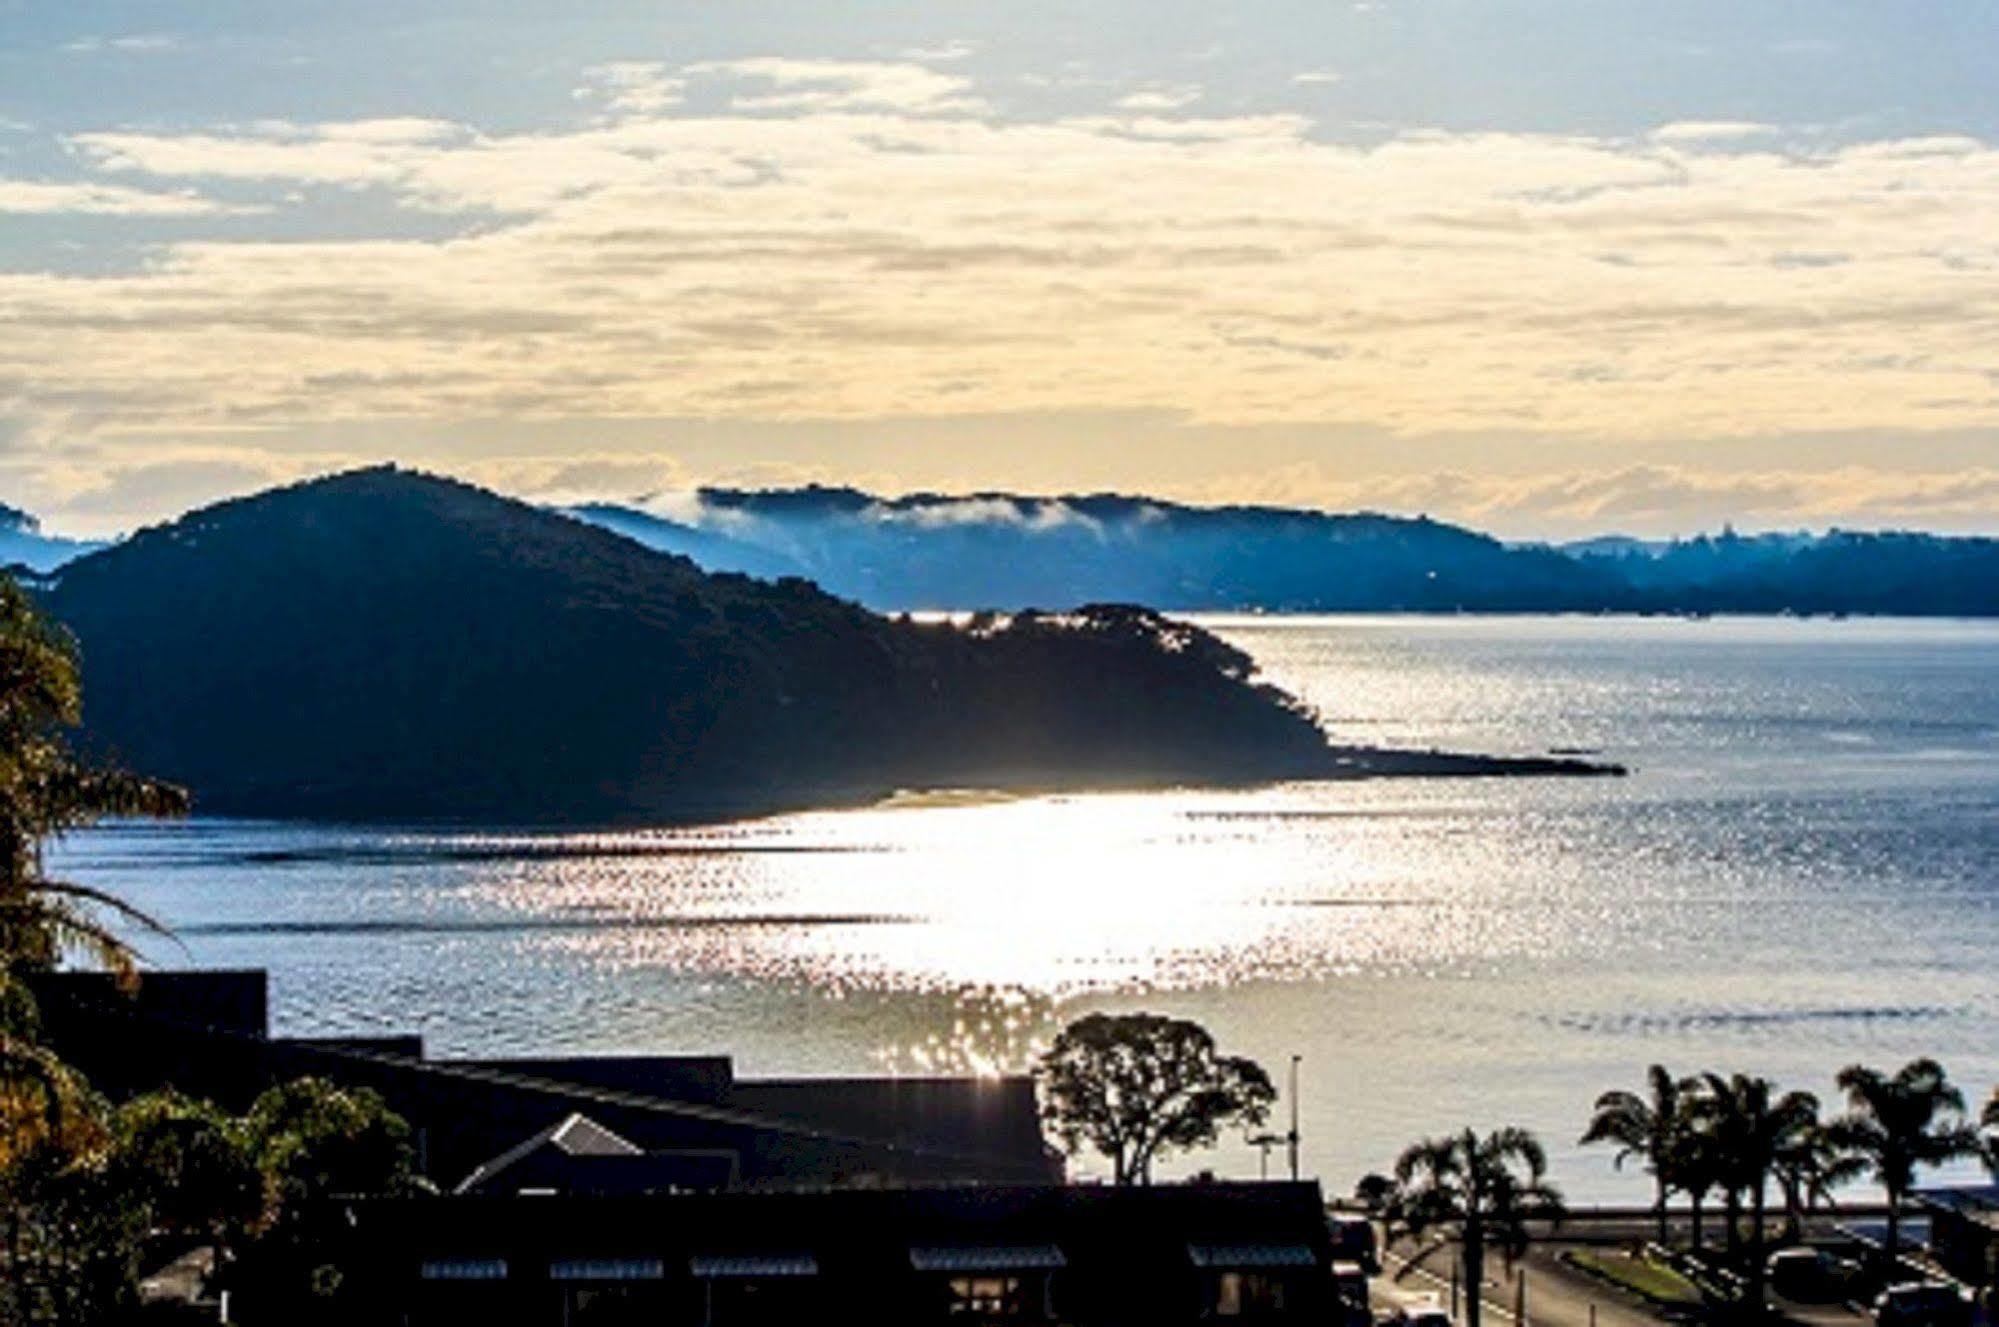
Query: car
(1353, 1240)
(1423, 1315)
(1811, 1275)
(1922, 1304)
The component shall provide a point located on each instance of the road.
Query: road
(1557, 1294)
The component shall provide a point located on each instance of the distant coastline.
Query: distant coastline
(386, 644)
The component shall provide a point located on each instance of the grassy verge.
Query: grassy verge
(1657, 1285)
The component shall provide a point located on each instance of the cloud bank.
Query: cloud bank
(775, 239)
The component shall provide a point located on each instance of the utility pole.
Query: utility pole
(1292, 1137)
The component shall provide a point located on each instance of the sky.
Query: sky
(1546, 267)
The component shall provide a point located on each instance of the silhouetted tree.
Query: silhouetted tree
(1897, 1123)
(314, 1139)
(1480, 1190)
(1990, 1119)
(45, 792)
(1753, 1131)
(1137, 1087)
(1374, 1191)
(1651, 1128)
(191, 1166)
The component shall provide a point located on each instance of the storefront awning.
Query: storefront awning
(607, 1269)
(734, 1266)
(1231, 1257)
(987, 1258)
(463, 1269)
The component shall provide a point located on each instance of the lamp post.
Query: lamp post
(1263, 1142)
(1292, 1137)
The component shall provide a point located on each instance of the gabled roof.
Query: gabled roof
(577, 1135)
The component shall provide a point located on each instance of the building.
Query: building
(1964, 1230)
(688, 1122)
(959, 1254)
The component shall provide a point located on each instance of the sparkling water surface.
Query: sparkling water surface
(1802, 871)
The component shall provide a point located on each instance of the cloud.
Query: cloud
(829, 85)
(1708, 131)
(42, 197)
(136, 43)
(858, 240)
(1317, 77)
(640, 87)
(982, 511)
(1161, 97)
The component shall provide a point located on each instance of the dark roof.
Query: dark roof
(839, 1228)
(997, 1117)
(467, 1110)
(577, 1135)
(1973, 1202)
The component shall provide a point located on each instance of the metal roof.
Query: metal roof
(1251, 1255)
(463, 1269)
(607, 1269)
(730, 1266)
(987, 1258)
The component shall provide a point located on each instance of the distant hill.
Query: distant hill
(1002, 550)
(1840, 572)
(22, 543)
(708, 549)
(387, 644)
(1005, 550)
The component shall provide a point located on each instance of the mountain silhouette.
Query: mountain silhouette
(1007, 550)
(385, 644)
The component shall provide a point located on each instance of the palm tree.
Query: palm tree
(1481, 1191)
(45, 792)
(1897, 1123)
(1696, 1164)
(1810, 1173)
(1754, 1132)
(1991, 1122)
(1650, 1128)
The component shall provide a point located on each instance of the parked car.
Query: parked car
(1424, 1315)
(1922, 1304)
(1812, 1275)
(1354, 1240)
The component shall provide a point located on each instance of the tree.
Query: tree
(1897, 1123)
(314, 1139)
(45, 792)
(1649, 1128)
(1137, 1087)
(1753, 1132)
(190, 1165)
(1990, 1119)
(1696, 1163)
(1480, 1191)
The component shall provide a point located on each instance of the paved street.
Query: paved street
(1557, 1294)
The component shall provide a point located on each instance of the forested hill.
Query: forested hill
(998, 550)
(1006, 550)
(386, 644)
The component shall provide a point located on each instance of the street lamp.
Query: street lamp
(1292, 1137)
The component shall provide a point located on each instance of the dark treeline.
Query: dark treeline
(1004, 551)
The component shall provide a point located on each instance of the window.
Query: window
(988, 1297)
(1248, 1294)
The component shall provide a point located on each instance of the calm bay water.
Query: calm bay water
(1802, 871)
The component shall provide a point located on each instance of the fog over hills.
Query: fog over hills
(1004, 550)
(22, 543)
